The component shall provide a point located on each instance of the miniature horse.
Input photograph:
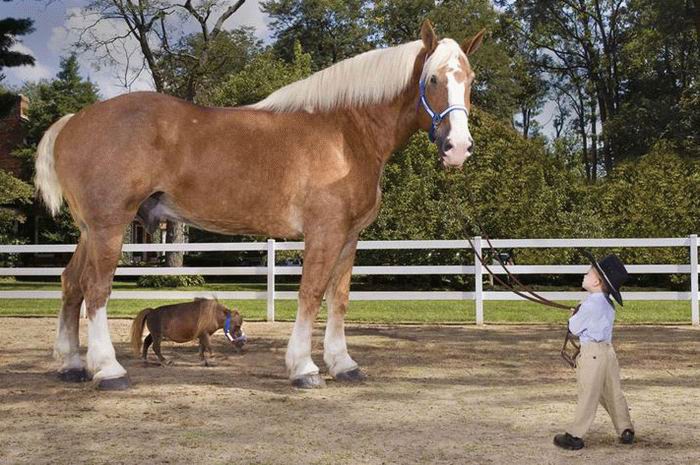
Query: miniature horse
(305, 162)
(186, 322)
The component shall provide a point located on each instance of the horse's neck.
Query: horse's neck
(387, 126)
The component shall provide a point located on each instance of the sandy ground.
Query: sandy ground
(435, 395)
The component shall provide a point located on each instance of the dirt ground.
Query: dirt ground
(434, 395)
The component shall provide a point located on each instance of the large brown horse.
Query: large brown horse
(305, 162)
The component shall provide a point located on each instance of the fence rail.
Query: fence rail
(272, 270)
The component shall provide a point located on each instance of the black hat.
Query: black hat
(613, 272)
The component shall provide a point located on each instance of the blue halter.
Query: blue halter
(437, 117)
(242, 339)
(227, 324)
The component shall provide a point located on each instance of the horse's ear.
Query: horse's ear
(472, 44)
(430, 40)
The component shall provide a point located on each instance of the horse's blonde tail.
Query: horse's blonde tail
(46, 179)
(137, 330)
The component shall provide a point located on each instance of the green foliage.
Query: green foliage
(49, 101)
(10, 28)
(13, 194)
(330, 30)
(259, 78)
(156, 281)
(227, 54)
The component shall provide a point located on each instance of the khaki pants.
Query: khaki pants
(598, 380)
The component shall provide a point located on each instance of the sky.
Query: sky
(56, 23)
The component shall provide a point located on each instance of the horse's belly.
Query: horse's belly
(227, 217)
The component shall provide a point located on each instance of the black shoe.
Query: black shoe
(627, 436)
(567, 441)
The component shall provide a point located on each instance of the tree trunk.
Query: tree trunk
(594, 141)
(175, 234)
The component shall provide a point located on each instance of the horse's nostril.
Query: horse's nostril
(447, 147)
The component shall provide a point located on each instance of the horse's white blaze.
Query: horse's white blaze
(459, 136)
(66, 348)
(101, 359)
(298, 356)
(335, 351)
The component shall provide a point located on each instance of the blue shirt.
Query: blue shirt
(594, 320)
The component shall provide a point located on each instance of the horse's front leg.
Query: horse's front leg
(335, 351)
(204, 348)
(321, 251)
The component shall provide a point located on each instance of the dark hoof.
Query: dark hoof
(74, 375)
(114, 384)
(627, 436)
(352, 376)
(309, 382)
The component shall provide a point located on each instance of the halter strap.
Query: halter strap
(227, 331)
(436, 118)
(227, 327)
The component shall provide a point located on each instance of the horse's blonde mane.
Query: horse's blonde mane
(207, 317)
(371, 77)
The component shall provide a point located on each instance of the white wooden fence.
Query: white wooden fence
(271, 271)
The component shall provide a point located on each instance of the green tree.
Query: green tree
(14, 194)
(228, 53)
(49, 101)
(660, 63)
(329, 30)
(10, 29)
(651, 196)
(260, 77)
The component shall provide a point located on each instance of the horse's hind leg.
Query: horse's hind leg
(66, 346)
(335, 351)
(103, 251)
(146, 344)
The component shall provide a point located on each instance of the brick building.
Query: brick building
(12, 134)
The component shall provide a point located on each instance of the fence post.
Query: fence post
(694, 312)
(271, 280)
(478, 282)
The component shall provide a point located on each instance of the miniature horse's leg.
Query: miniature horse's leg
(104, 245)
(322, 248)
(204, 346)
(146, 344)
(156, 348)
(66, 346)
(335, 352)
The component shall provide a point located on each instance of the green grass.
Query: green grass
(501, 312)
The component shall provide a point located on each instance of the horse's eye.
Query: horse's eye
(433, 79)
